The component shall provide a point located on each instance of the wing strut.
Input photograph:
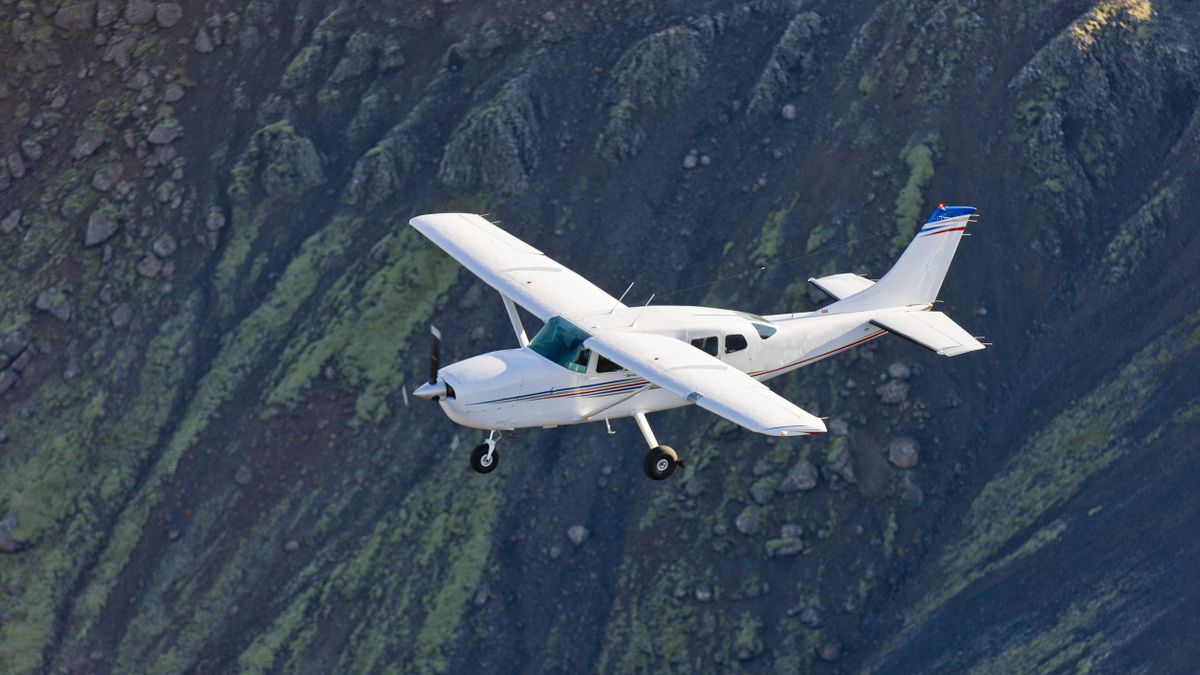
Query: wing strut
(518, 327)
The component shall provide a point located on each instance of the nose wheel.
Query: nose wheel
(485, 456)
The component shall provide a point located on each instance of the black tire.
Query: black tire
(479, 457)
(660, 463)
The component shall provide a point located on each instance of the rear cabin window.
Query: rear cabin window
(764, 331)
(708, 345)
(603, 365)
(735, 343)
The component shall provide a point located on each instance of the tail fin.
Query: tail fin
(917, 276)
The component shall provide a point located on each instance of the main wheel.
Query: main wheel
(481, 461)
(660, 463)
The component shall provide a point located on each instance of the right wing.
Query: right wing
(708, 382)
(932, 330)
(842, 286)
(516, 269)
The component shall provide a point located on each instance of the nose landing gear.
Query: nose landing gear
(485, 456)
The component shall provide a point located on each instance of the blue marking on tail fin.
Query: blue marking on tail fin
(943, 212)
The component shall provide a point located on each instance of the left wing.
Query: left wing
(708, 382)
(516, 269)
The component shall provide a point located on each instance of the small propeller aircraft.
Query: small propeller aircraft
(595, 359)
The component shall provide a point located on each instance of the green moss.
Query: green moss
(770, 237)
(1053, 465)
(301, 68)
(919, 159)
(368, 320)
(868, 83)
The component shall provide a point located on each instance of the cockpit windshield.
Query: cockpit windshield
(560, 342)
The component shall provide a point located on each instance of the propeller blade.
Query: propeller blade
(435, 354)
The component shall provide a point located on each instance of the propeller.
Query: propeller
(435, 354)
(433, 389)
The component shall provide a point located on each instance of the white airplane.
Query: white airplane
(596, 359)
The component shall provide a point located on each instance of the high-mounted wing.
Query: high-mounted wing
(516, 269)
(709, 383)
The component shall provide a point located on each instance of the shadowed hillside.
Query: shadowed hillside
(212, 310)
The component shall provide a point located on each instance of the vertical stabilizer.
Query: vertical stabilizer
(917, 276)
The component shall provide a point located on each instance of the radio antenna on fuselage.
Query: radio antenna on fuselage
(622, 297)
(639, 314)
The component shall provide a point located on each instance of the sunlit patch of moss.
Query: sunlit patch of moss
(81, 470)
(919, 159)
(1121, 14)
(868, 83)
(369, 316)
(242, 233)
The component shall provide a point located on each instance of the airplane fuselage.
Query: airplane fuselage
(544, 386)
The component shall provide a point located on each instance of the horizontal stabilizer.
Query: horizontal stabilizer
(933, 330)
(841, 286)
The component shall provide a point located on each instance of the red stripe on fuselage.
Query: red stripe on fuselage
(818, 356)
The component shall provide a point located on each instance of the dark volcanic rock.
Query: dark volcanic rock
(165, 132)
(100, 228)
(167, 14)
(802, 476)
(139, 11)
(903, 452)
(75, 17)
(88, 142)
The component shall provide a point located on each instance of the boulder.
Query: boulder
(165, 245)
(202, 42)
(16, 164)
(139, 11)
(763, 491)
(88, 142)
(802, 476)
(10, 222)
(149, 266)
(118, 52)
(167, 14)
(107, 176)
(748, 522)
(902, 452)
(892, 392)
(165, 132)
(100, 228)
(121, 315)
(577, 534)
(76, 16)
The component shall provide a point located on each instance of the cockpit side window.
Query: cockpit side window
(561, 342)
(735, 343)
(580, 363)
(708, 345)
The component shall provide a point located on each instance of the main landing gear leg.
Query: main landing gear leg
(661, 460)
(485, 456)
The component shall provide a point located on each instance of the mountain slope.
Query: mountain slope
(212, 306)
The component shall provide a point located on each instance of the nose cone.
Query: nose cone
(431, 390)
